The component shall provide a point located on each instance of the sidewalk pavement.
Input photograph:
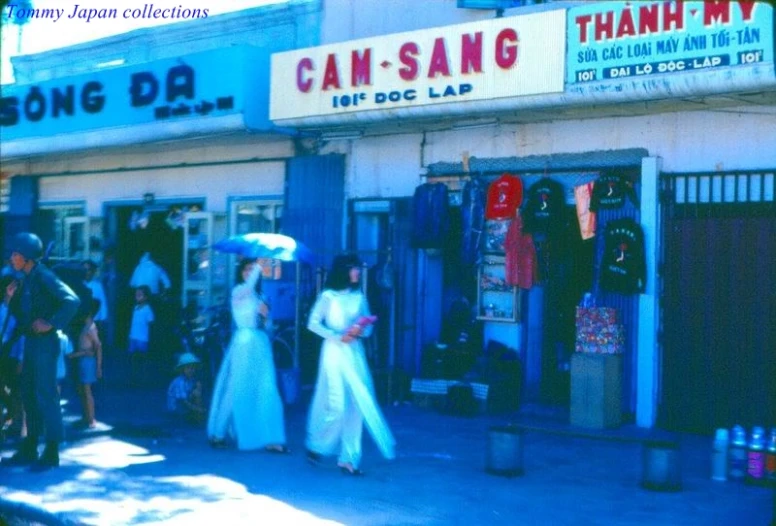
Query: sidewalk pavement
(138, 469)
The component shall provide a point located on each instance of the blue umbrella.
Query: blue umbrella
(260, 245)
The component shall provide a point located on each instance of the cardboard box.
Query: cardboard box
(596, 390)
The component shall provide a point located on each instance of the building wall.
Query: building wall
(215, 182)
(731, 139)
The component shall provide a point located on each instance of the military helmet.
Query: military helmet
(28, 245)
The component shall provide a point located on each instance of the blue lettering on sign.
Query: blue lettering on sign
(673, 66)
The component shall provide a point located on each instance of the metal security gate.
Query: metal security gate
(718, 300)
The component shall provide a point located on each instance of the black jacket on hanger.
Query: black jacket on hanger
(623, 266)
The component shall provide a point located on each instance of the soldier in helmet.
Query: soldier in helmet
(42, 304)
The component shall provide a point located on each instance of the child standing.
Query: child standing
(89, 370)
(184, 396)
(139, 332)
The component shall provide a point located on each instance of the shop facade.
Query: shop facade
(156, 141)
(657, 95)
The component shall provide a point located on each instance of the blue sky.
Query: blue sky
(45, 34)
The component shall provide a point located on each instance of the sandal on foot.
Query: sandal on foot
(218, 443)
(278, 450)
(313, 458)
(351, 471)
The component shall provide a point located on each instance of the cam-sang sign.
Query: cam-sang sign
(503, 57)
(610, 40)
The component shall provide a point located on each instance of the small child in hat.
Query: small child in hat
(184, 396)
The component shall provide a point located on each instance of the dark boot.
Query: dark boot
(49, 459)
(26, 455)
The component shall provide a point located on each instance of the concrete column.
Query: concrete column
(648, 365)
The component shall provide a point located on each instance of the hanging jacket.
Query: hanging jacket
(431, 216)
(611, 190)
(543, 211)
(520, 264)
(623, 265)
(472, 220)
(505, 195)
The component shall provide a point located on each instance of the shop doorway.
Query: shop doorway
(134, 230)
(719, 337)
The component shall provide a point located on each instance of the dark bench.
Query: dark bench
(661, 467)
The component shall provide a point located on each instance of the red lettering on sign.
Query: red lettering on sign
(626, 27)
(675, 16)
(471, 53)
(649, 17)
(331, 74)
(304, 84)
(604, 25)
(506, 48)
(747, 8)
(361, 68)
(439, 62)
(407, 54)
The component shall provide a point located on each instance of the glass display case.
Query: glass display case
(205, 279)
(496, 301)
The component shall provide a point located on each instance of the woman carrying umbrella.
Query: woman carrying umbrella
(344, 395)
(246, 405)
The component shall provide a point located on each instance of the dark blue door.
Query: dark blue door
(719, 306)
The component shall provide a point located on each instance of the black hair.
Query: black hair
(241, 267)
(339, 275)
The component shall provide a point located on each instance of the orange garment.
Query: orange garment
(587, 218)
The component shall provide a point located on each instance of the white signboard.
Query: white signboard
(492, 59)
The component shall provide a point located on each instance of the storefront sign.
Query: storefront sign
(206, 84)
(610, 40)
(503, 57)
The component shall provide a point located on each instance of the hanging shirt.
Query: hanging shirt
(505, 195)
(543, 211)
(587, 218)
(472, 220)
(431, 216)
(623, 265)
(520, 262)
(149, 273)
(610, 191)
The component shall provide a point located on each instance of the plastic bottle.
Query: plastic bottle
(737, 454)
(770, 459)
(719, 455)
(755, 464)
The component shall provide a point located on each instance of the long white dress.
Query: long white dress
(344, 394)
(246, 405)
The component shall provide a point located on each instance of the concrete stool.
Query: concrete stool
(505, 451)
(661, 466)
